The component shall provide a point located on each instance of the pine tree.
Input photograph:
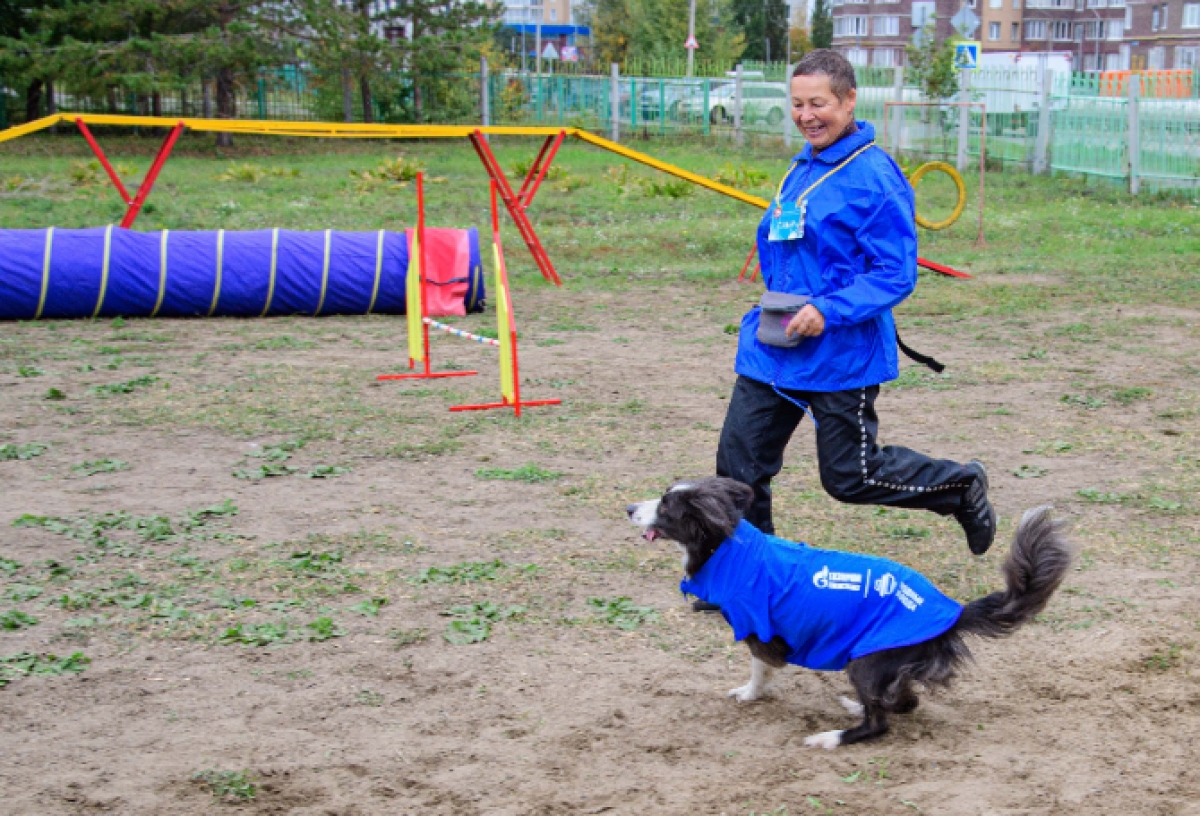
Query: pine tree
(822, 25)
(106, 49)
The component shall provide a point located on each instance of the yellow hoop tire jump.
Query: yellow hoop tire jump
(949, 170)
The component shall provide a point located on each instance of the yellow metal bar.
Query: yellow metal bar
(30, 127)
(672, 170)
(337, 130)
(264, 126)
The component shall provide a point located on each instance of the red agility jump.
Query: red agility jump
(419, 324)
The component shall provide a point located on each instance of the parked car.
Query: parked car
(669, 96)
(761, 102)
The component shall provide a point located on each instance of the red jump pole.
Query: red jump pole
(164, 152)
(427, 374)
(516, 204)
(746, 265)
(108, 168)
(502, 282)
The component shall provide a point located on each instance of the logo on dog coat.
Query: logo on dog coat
(909, 597)
(885, 585)
(838, 580)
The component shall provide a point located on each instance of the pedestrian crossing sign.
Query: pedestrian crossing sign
(966, 55)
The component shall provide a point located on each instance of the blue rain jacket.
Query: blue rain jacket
(857, 259)
(831, 607)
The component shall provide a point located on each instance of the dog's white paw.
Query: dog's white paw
(854, 707)
(745, 694)
(827, 740)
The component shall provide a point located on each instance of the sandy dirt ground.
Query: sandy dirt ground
(567, 708)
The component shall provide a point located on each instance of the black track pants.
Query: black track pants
(854, 469)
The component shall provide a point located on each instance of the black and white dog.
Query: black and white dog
(704, 519)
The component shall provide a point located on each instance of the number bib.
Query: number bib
(787, 222)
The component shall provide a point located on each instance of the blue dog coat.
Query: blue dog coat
(831, 607)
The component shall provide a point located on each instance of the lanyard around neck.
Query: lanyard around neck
(816, 184)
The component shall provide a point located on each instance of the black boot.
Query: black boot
(976, 515)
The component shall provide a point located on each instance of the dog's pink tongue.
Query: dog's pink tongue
(650, 534)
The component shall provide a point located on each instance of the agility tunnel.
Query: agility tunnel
(110, 272)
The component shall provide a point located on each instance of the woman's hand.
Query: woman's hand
(808, 322)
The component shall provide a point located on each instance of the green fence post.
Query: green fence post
(262, 98)
(704, 115)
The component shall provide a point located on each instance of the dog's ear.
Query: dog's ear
(743, 495)
(740, 495)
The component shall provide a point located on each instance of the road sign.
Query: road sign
(570, 53)
(965, 22)
(550, 52)
(691, 43)
(966, 55)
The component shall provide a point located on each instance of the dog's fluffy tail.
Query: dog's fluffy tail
(1036, 565)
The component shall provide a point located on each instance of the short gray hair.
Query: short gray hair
(830, 64)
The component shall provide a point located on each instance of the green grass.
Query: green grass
(526, 473)
(229, 786)
(622, 612)
(91, 468)
(28, 664)
(29, 450)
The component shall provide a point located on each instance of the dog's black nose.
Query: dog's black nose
(631, 509)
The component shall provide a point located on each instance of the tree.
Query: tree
(654, 29)
(764, 24)
(822, 25)
(798, 33)
(611, 27)
(931, 63)
(340, 41)
(106, 49)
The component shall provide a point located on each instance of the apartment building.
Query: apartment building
(1000, 29)
(1100, 35)
(876, 32)
(1162, 36)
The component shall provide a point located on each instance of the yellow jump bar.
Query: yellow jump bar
(339, 130)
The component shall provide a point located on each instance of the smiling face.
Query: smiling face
(817, 111)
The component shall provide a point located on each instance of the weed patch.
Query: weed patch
(28, 664)
(15, 619)
(622, 612)
(469, 572)
(229, 786)
(1085, 402)
(326, 472)
(29, 450)
(124, 388)
(526, 473)
(369, 607)
(1128, 396)
(100, 466)
(474, 623)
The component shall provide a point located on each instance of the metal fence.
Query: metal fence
(1139, 128)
